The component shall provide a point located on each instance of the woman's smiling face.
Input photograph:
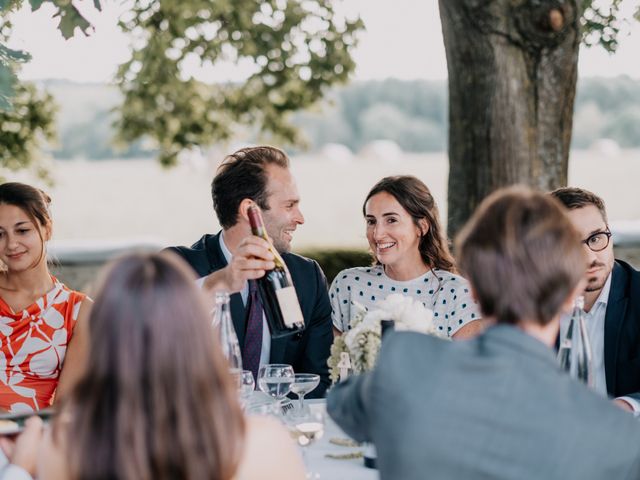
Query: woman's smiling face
(392, 233)
(21, 245)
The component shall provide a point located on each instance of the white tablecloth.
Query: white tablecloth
(329, 468)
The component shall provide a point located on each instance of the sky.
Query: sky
(403, 39)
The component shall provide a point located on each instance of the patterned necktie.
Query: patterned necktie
(253, 334)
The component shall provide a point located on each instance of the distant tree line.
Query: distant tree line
(411, 113)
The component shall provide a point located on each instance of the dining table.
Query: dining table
(334, 456)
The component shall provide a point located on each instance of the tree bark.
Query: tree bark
(512, 79)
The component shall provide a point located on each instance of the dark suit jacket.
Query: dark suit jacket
(307, 351)
(494, 407)
(622, 332)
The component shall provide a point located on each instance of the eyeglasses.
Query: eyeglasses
(598, 241)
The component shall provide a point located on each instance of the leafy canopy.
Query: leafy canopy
(27, 116)
(294, 49)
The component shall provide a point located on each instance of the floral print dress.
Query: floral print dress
(33, 343)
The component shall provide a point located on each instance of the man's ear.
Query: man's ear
(244, 207)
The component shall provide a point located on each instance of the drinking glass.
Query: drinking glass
(275, 380)
(306, 428)
(246, 385)
(304, 383)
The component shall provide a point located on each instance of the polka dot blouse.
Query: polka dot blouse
(446, 294)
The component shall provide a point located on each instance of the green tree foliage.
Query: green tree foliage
(27, 116)
(24, 127)
(296, 50)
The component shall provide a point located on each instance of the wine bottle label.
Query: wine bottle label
(288, 300)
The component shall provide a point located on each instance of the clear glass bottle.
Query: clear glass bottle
(574, 354)
(223, 324)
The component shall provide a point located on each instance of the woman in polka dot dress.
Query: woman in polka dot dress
(411, 258)
(38, 314)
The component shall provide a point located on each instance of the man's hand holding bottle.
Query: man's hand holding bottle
(250, 261)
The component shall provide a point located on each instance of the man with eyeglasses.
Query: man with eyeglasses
(611, 301)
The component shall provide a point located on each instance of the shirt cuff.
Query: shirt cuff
(14, 472)
(635, 405)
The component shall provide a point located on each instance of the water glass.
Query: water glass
(275, 380)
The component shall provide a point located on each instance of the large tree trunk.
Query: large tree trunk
(512, 79)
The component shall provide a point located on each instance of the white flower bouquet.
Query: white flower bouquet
(362, 341)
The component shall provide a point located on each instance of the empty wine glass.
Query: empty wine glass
(275, 380)
(245, 384)
(304, 383)
(306, 428)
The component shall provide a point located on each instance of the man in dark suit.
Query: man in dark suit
(497, 406)
(232, 258)
(612, 301)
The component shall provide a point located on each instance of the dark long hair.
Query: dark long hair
(416, 199)
(156, 401)
(33, 202)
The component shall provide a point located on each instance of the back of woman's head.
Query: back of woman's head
(156, 401)
(416, 198)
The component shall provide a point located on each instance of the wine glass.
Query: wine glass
(275, 380)
(245, 384)
(305, 428)
(304, 383)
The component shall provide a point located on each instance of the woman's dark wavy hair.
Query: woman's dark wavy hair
(156, 401)
(416, 199)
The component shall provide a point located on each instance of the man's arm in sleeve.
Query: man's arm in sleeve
(347, 405)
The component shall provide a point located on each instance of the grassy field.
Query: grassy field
(111, 200)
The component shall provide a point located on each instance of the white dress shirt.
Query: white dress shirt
(266, 336)
(594, 320)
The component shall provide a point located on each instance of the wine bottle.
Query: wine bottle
(278, 295)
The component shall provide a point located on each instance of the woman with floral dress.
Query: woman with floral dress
(38, 313)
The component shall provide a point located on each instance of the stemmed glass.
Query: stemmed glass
(275, 380)
(245, 384)
(304, 383)
(306, 427)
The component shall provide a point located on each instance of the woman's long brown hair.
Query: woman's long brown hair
(156, 401)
